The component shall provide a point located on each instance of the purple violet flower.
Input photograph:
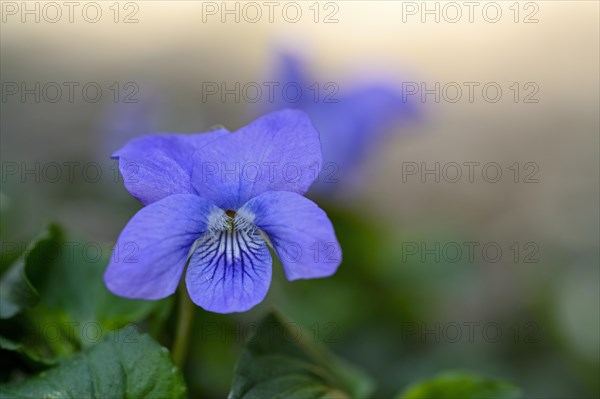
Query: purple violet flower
(353, 122)
(214, 201)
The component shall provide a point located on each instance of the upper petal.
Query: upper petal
(294, 87)
(152, 249)
(300, 232)
(159, 165)
(354, 125)
(230, 271)
(353, 128)
(280, 151)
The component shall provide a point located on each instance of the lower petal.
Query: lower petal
(152, 249)
(230, 271)
(300, 232)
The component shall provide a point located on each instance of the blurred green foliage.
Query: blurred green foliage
(59, 308)
(278, 362)
(461, 385)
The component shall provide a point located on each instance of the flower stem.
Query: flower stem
(184, 322)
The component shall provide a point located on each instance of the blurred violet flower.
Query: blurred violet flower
(352, 123)
(214, 201)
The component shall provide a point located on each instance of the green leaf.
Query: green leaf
(9, 345)
(17, 288)
(457, 385)
(74, 296)
(125, 364)
(58, 287)
(278, 362)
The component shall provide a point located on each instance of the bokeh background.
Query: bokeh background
(381, 307)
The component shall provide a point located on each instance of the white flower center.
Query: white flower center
(230, 234)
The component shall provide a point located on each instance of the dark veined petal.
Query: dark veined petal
(280, 151)
(152, 249)
(159, 165)
(230, 271)
(300, 232)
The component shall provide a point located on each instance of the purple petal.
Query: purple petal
(280, 151)
(294, 88)
(160, 165)
(230, 271)
(152, 249)
(353, 128)
(300, 232)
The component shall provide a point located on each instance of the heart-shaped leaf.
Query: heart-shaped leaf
(125, 364)
(57, 288)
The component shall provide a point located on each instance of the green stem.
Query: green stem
(184, 322)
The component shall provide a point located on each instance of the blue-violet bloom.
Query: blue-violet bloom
(214, 201)
(353, 123)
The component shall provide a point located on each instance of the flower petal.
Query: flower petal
(294, 89)
(229, 272)
(152, 250)
(300, 232)
(159, 165)
(280, 151)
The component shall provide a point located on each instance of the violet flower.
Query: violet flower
(214, 202)
(353, 121)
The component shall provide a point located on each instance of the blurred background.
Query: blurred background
(465, 151)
